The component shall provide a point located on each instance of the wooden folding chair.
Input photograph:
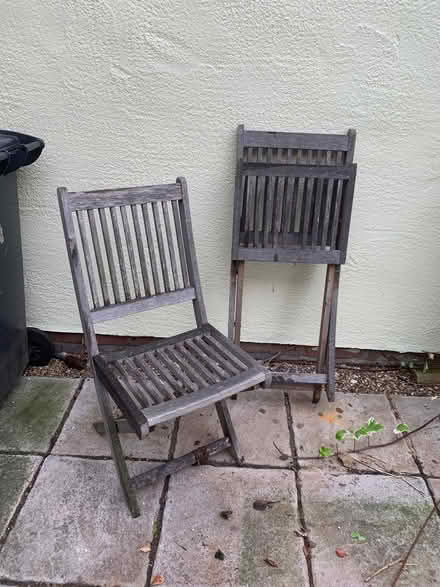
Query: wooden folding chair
(293, 200)
(132, 250)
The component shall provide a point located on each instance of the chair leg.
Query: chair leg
(235, 303)
(122, 426)
(228, 429)
(324, 330)
(115, 445)
(331, 352)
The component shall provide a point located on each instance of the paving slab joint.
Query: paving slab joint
(157, 526)
(22, 501)
(307, 547)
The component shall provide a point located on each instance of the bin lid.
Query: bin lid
(18, 150)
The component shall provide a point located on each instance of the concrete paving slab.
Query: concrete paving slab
(78, 437)
(75, 527)
(15, 474)
(259, 418)
(315, 425)
(414, 411)
(193, 530)
(32, 412)
(385, 511)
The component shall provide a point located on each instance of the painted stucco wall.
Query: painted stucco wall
(130, 92)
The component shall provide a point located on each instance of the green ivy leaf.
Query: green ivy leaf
(357, 536)
(325, 451)
(373, 426)
(363, 431)
(401, 428)
(340, 434)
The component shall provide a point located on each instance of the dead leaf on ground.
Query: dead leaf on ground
(329, 417)
(271, 563)
(226, 514)
(340, 552)
(145, 548)
(158, 580)
(262, 505)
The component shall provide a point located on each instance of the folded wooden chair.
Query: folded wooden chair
(293, 201)
(132, 250)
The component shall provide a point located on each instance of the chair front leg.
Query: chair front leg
(228, 429)
(116, 448)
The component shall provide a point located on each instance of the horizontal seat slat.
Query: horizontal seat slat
(310, 171)
(289, 255)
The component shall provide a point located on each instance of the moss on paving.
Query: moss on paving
(15, 473)
(32, 412)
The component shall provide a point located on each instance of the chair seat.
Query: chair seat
(170, 378)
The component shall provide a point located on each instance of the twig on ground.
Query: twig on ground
(385, 472)
(414, 542)
(382, 569)
(382, 445)
(269, 361)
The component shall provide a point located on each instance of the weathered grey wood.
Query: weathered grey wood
(197, 456)
(171, 250)
(281, 378)
(324, 329)
(309, 183)
(202, 398)
(289, 255)
(123, 197)
(151, 249)
(140, 248)
(120, 253)
(161, 245)
(88, 259)
(225, 419)
(190, 254)
(180, 244)
(335, 172)
(295, 140)
(143, 304)
(331, 352)
(98, 256)
(122, 427)
(163, 380)
(130, 250)
(109, 253)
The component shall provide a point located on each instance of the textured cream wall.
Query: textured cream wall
(127, 92)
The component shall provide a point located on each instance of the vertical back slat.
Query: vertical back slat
(161, 245)
(98, 256)
(120, 252)
(336, 210)
(278, 209)
(250, 207)
(288, 208)
(151, 249)
(307, 209)
(109, 252)
(317, 212)
(259, 210)
(88, 258)
(180, 244)
(171, 250)
(140, 248)
(268, 214)
(327, 209)
(130, 250)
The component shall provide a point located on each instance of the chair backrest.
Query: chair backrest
(293, 196)
(130, 250)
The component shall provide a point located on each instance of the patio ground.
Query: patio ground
(63, 519)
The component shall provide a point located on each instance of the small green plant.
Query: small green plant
(357, 537)
(325, 451)
(371, 427)
(401, 428)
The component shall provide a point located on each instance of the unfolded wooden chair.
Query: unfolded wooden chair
(293, 201)
(132, 250)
